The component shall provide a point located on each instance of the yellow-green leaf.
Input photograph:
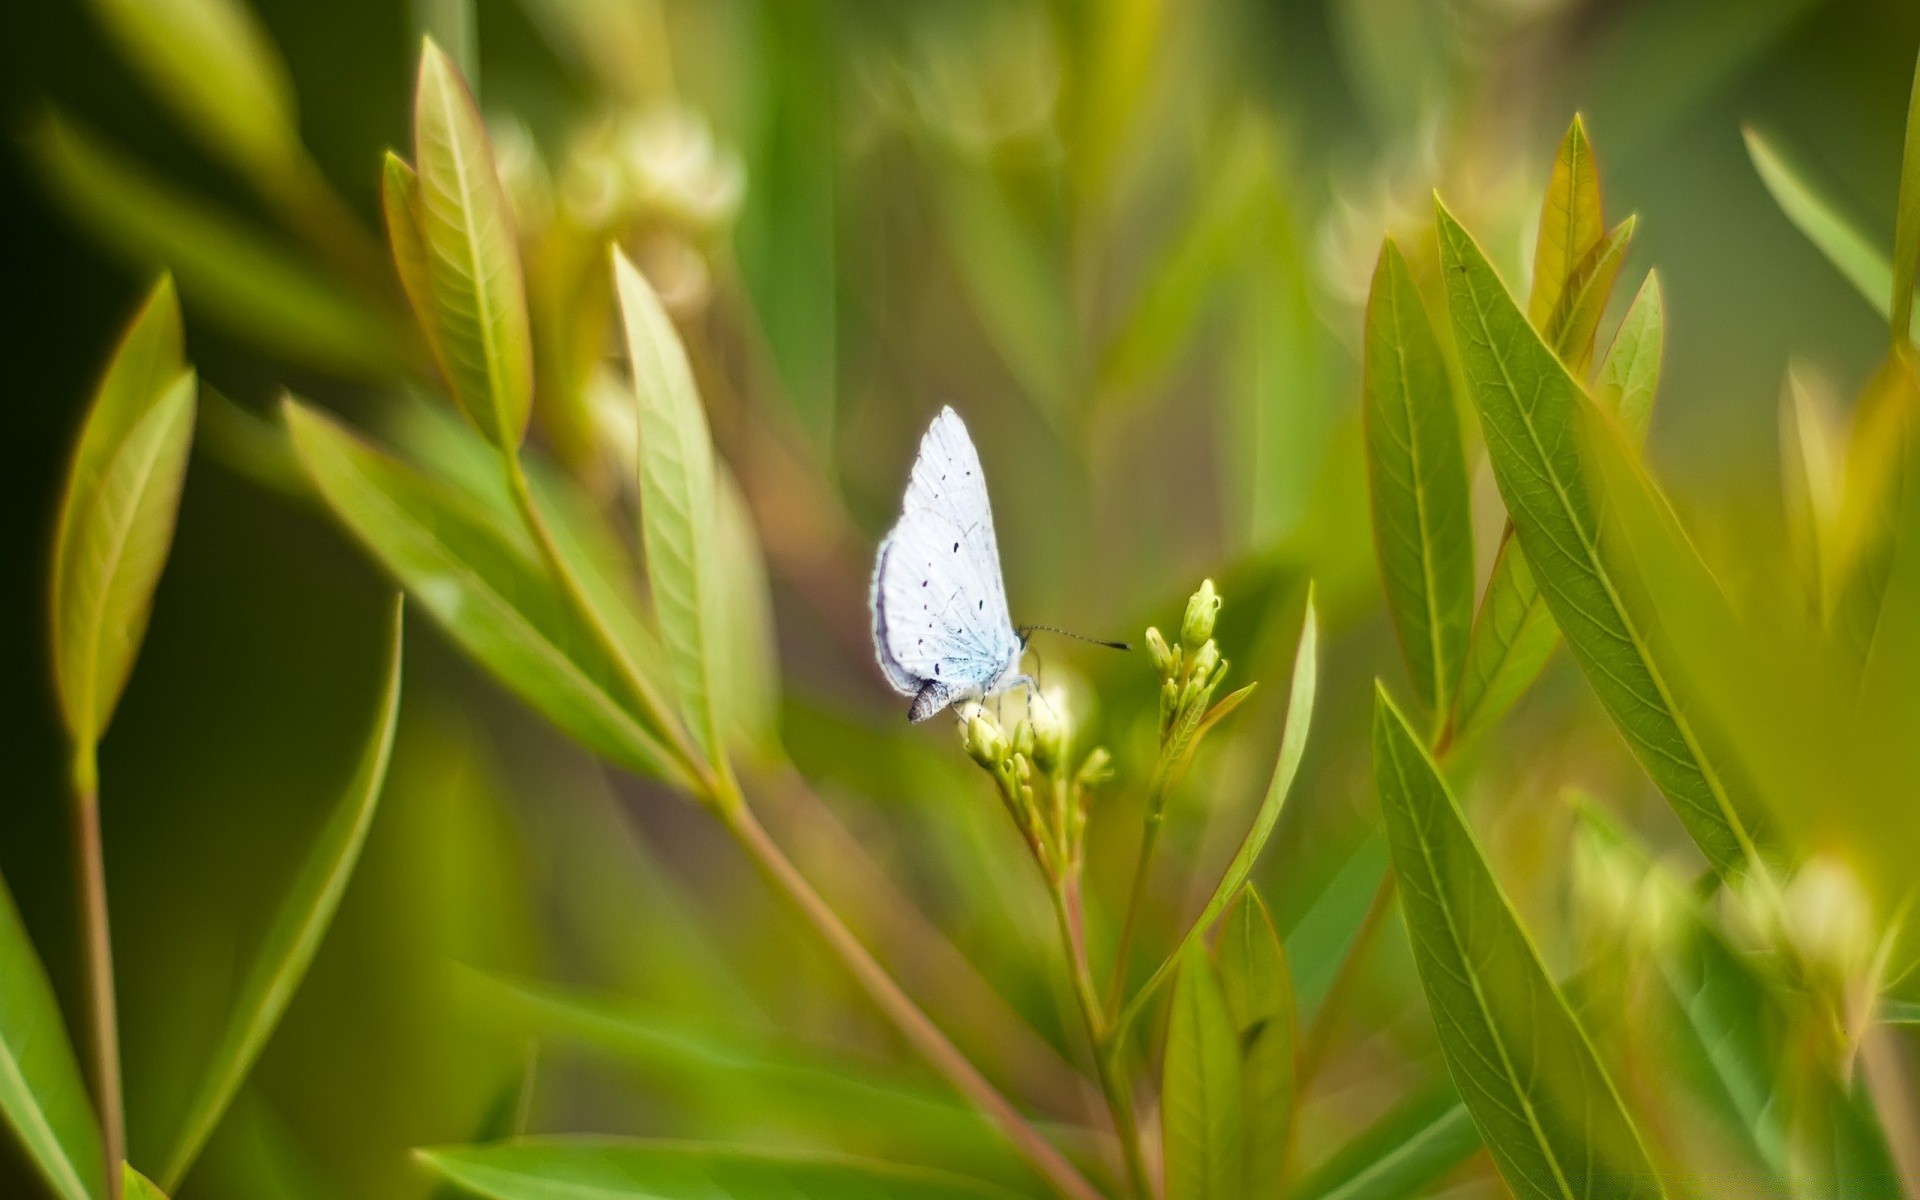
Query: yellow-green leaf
(677, 504)
(1259, 994)
(1576, 318)
(1630, 374)
(751, 654)
(400, 208)
(296, 931)
(1201, 1102)
(41, 1093)
(116, 518)
(135, 1186)
(483, 581)
(478, 311)
(1531, 410)
(1417, 481)
(1523, 1064)
(1513, 637)
(1571, 224)
(1906, 228)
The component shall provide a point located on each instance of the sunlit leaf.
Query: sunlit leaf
(1531, 409)
(226, 270)
(1849, 250)
(483, 582)
(1630, 374)
(677, 503)
(1417, 480)
(117, 515)
(478, 309)
(1571, 224)
(1811, 472)
(1906, 227)
(1524, 1066)
(1201, 1099)
(135, 1186)
(1293, 745)
(610, 1169)
(41, 1092)
(400, 207)
(1259, 994)
(295, 933)
(1403, 1154)
(1571, 327)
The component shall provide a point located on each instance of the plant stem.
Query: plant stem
(1136, 896)
(91, 876)
(1113, 1085)
(906, 1016)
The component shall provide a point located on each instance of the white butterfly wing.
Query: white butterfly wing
(939, 601)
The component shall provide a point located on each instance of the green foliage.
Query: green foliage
(1202, 1100)
(1259, 995)
(41, 1092)
(1401, 1155)
(135, 1186)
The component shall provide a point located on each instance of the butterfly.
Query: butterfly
(940, 625)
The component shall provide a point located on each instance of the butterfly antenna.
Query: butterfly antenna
(1025, 630)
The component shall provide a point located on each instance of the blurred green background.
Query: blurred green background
(1129, 241)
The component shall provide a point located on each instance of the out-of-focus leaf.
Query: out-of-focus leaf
(215, 65)
(296, 931)
(1900, 1012)
(249, 445)
(1571, 224)
(1417, 477)
(399, 208)
(751, 655)
(1575, 320)
(1906, 227)
(1523, 1064)
(117, 515)
(1630, 374)
(677, 503)
(584, 1168)
(1401, 1155)
(483, 583)
(1849, 250)
(1293, 745)
(787, 235)
(135, 1186)
(41, 1092)
(1513, 636)
(1531, 410)
(1810, 470)
(1723, 1006)
(1201, 1099)
(244, 282)
(1259, 994)
(478, 300)
(1318, 939)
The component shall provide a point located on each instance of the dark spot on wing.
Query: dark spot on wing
(981, 607)
(956, 547)
(936, 668)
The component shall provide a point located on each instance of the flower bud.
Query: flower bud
(1169, 702)
(984, 741)
(1202, 608)
(1097, 769)
(1165, 660)
(1023, 737)
(1049, 723)
(1205, 661)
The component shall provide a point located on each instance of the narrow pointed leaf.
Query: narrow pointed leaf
(1906, 228)
(1571, 223)
(297, 928)
(615, 1169)
(400, 207)
(748, 647)
(226, 270)
(1293, 745)
(1513, 637)
(1417, 481)
(1853, 253)
(1201, 1100)
(1401, 1155)
(1571, 327)
(677, 504)
(1531, 410)
(1523, 1064)
(483, 582)
(479, 302)
(135, 1186)
(42, 1095)
(117, 515)
(1259, 994)
(1630, 374)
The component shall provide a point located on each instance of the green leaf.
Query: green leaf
(135, 1186)
(1571, 224)
(1293, 745)
(1523, 1064)
(484, 583)
(1849, 250)
(1630, 374)
(117, 515)
(1576, 318)
(399, 208)
(1906, 228)
(1513, 636)
(677, 503)
(1201, 1103)
(215, 65)
(1900, 1012)
(748, 647)
(295, 933)
(41, 1092)
(616, 1169)
(1531, 410)
(478, 302)
(1401, 1155)
(1417, 481)
(244, 282)
(1259, 994)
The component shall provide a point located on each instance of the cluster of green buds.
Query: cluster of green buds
(1190, 671)
(1043, 785)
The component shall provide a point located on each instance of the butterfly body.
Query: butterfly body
(941, 629)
